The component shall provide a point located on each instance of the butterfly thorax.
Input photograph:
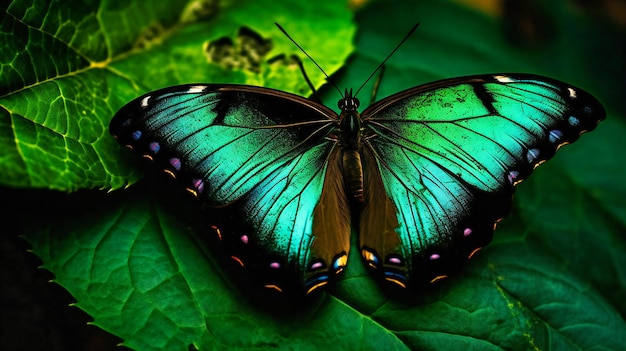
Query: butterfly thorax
(350, 142)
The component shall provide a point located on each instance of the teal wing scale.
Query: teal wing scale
(441, 160)
(259, 158)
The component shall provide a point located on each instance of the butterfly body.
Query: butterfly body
(350, 136)
(426, 173)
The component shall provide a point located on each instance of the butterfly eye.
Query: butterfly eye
(341, 104)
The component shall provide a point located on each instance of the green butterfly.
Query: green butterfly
(426, 173)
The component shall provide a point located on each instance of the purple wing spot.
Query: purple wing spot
(467, 232)
(244, 239)
(434, 257)
(154, 147)
(175, 163)
(274, 265)
(198, 185)
(395, 260)
(316, 265)
(513, 177)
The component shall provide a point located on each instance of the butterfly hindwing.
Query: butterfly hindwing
(259, 158)
(291, 232)
(447, 156)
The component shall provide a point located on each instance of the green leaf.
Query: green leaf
(66, 70)
(553, 278)
(135, 266)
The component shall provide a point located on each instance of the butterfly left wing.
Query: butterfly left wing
(441, 160)
(259, 158)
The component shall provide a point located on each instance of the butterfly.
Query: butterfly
(424, 174)
(430, 169)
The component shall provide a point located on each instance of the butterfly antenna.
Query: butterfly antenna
(388, 56)
(310, 58)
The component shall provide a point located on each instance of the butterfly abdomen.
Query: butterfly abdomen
(353, 173)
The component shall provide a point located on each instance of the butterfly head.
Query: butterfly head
(348, 102)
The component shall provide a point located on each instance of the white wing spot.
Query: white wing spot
(572, 93)
(504, 79)
(196, 88)
(145, 102)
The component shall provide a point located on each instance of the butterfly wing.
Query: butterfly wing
(259, 159)
(441, 160)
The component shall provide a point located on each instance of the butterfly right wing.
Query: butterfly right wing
(259, 159)
(441, 161)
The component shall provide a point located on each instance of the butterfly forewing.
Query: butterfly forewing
(261, 158)
(447, 156)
